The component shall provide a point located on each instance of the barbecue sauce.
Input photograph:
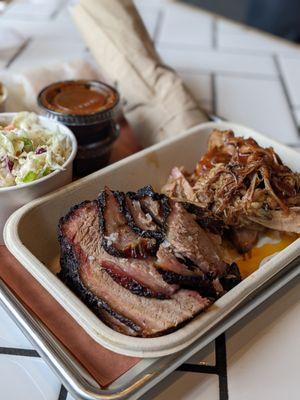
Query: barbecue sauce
(90, 110)
(77, 98)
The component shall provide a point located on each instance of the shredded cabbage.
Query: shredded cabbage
(29, 151)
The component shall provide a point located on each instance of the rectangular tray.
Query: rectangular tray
(30, 235)
(148, 372)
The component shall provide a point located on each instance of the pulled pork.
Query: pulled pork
(241, 183)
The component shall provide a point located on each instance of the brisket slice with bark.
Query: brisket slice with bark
(82, 271)
(134, 258)
(113, 221)
(81, 228)
(191, 256)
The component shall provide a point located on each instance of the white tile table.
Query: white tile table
(243, 75)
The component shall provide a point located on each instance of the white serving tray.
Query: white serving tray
(30, 234)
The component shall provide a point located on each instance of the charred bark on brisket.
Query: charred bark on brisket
(138, 246)
(205, 218)
(231, 277)
(156, 234)
(199, 283)
(69, 274)
(146, 196)
(109, 249)
(135, 286)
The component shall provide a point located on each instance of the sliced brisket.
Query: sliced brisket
(152, 316)
(154, 204)
(118, 238)
(141, 261)
(81, 226)
(81, 269)
(191, 242)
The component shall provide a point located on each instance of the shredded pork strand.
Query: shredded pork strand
(240, 182)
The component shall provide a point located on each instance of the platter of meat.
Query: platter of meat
(152, 252)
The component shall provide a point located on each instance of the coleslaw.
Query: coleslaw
(29, 151)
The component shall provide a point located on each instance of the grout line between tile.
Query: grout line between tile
(213, 93)
(63, 393)
(59, 8)
(259, 53)
(221, 364)
(18, 352)
(286, 92)
(247, 75)
(18, 53)
(184, 46)
(227, 51)
(198, 368)
(214, 34)
(158, 25)
(296, 144)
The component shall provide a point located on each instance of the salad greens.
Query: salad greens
(29, 151)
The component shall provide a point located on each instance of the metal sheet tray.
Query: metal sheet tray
(148, 372)
(31, 236)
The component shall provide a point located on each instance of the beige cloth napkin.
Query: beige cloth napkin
(24, 87)
(157, 104)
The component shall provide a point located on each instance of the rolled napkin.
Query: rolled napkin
(157, 103)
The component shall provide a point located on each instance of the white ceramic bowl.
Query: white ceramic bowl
(13, 197)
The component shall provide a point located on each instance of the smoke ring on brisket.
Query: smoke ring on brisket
(141, 288)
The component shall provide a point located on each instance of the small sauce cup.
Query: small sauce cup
(90, 109)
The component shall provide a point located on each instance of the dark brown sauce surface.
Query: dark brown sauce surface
(78, 98)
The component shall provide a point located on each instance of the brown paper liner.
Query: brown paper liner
(104, 365)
